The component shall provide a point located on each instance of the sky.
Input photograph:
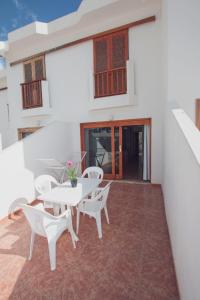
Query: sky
(17, 13)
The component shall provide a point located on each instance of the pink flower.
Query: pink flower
(69, 163)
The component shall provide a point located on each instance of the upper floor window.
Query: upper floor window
(34, 69)
(110, 56)
(34, 73)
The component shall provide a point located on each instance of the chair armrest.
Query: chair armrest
(99, 189)
(55, 219)
(65, 213)
(40, 206)
(87, 200)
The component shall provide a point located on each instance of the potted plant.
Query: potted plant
(72, 173)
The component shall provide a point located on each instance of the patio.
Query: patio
(132, 261)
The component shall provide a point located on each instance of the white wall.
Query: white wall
(19, 165)
(182, 201)
(181, 61)
(3, 118)
(183, 52)
(68, 73)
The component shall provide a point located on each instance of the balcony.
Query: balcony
(111, 89)
(35, 98)
(110, 83)
(32, 94)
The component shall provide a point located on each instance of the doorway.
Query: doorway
(133, 144)
(120, 148)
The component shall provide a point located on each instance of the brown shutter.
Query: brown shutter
(34, 72)
(101, 55)
(110, 56)
(28, 75)
(119, 50)
(101, 65)
(39, 69)
(119, 56)
(197, 112)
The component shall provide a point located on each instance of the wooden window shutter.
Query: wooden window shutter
(197, 113)
(28, 74)
(101, 55)
(119, 49)
(39, 68)
(110, 56)
(101, 62)
(119, 56)
(34, 73)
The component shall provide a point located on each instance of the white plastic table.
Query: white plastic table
(66, 195)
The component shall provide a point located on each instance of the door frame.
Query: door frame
(113, 124)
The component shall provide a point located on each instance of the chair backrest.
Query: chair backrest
(43, 183)
(100, 200)
(93, 172)
(37, 218)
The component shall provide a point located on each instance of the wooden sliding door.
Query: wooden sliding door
(117, 152)
(103, 142)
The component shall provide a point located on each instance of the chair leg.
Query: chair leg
(63, 209)
(77, 221)
(99, 228)
(56, 209)
(31, 244)
(73, 236)
(71, 231)
(106, 213)
(72, 210)
(52, 254)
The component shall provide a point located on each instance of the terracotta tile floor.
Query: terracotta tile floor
(133, 261)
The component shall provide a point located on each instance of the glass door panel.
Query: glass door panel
(118, 152)
(98, 145)
(116, 138)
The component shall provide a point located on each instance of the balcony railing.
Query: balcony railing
(32, 94)
(111, 83)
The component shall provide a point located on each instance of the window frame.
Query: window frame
(109, 37)
(32, 89)
(32, 62)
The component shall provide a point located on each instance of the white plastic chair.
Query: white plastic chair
(49, 226)
(94, 206)
(93, 172)
(43, 184)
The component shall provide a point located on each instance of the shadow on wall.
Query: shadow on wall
(19, 165)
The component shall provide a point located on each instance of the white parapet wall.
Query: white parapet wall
(181, 188)
(19, 163)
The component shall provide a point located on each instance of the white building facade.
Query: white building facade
(68, 92)
(163, 75)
